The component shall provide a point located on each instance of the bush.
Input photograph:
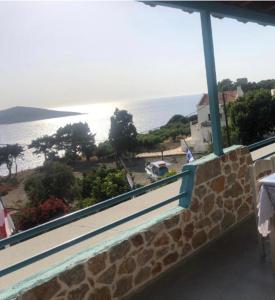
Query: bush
(48, 210)
(52, 208)
(178, 125)
(28, 218)
(104, 149)
(148, 140)
(85, 203)
(252, 116)
(169, 173)
(103, 183)
(54, 179)
(178, 119)
(151, 140)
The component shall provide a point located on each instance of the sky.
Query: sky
(55, 54)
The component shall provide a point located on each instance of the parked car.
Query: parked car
(156, 169)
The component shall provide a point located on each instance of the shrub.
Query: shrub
(28, 218)
(104, 183)
(252, 116)
(104, 149)
(169, 173)
(178, 119)
(178, 125)
(85, 203)
(51, 208)
(54, 179)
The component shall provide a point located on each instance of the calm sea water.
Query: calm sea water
(147, 114)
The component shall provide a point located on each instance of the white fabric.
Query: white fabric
(189, 156)
(269, 180)
(265, 210)
(2, 215)
(266, 204)
(10, 228)
(6, 224)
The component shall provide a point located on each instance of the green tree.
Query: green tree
(225, 85)
(104, 149)
(229, 85)
(103, 183)
(246, 85)
(267, 84)
(54, 179)
(252, 116)
(9, 155)
(88, 150)
(178, 119)
(178, 125)
(123, 133)
(241, 81)
(44, 145)
(75, 139)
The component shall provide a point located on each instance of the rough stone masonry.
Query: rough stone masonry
(222, 197)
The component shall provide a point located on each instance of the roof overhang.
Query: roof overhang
(261, 12)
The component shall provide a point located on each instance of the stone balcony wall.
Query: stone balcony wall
(222, 197)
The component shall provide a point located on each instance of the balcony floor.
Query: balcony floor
(60, 235)
(230, 268)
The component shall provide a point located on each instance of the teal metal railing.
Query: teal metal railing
(266, 156)
(30, 233)
(184, 196)
(261, 144)
(84, 237)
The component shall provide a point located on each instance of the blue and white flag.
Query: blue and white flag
(189, 155)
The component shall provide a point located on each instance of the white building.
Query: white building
(201, 131)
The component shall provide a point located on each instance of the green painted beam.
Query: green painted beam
(211, 82)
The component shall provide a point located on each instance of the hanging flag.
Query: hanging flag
(6, 224)
(189, 155)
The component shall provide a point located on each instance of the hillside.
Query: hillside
(26, 114)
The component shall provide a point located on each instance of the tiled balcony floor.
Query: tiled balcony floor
(228, 269)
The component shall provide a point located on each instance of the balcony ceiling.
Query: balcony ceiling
(261, 12)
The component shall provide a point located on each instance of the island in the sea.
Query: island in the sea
(19, 114)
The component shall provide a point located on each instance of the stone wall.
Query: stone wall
(222, 197)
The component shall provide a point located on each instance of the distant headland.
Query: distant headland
(20, 114)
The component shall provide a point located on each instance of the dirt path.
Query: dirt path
(176, 151)
(17, 198)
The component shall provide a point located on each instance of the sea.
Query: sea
(147, 115)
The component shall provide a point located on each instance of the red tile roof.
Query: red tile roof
(230, 96)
